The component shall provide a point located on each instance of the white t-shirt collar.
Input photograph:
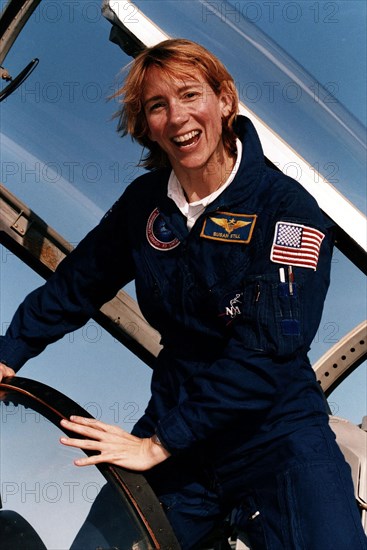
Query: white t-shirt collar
(193, 210)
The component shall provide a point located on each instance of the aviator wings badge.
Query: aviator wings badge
(229, 227)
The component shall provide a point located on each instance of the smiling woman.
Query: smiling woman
(185, 121)
(61, 156)
(236, 290)
(182, 68)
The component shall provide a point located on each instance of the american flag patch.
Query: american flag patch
(296, 244)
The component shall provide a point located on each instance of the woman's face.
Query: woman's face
(184, 117)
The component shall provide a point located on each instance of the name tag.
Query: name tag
(229, 227)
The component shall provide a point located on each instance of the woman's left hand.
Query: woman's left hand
(115, 446)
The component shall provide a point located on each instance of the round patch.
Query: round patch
(158, 234)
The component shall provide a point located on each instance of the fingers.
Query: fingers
(89, 461)
(83, 421)
(100, 437)
(97, 439)
(112, 445)
(5, 371)
(87, 445)
(80, 424)
(88, 430)
(85, 426)
(111, 450)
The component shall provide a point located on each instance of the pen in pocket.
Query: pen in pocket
(290, 280)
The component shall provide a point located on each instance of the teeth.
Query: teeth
(186, 137)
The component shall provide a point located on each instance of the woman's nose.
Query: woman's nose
(178, 113)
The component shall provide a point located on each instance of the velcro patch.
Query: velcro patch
(229, 227)
(296, 244)
(158, 234)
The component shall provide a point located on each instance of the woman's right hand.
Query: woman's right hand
(5, 371)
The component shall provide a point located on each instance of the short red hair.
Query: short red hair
(175, 57)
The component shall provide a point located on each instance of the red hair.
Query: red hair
(174, 57)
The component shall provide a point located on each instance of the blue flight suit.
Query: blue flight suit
(237, 301)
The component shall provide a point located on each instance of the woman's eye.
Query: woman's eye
(156, 106)
(191, 95)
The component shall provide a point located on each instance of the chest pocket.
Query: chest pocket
(272, 315)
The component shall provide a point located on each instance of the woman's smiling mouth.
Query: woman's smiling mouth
(187, 139)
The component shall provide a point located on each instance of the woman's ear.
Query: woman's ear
(226, 103)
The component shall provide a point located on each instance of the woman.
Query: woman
(231, 261)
